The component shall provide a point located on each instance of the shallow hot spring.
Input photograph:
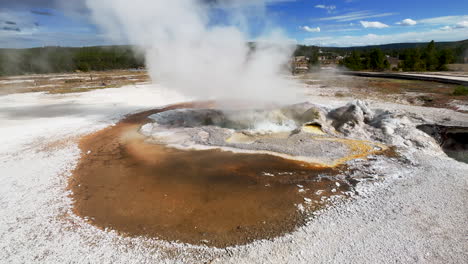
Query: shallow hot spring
(211, 197)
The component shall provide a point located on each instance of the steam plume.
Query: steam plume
(187, 50)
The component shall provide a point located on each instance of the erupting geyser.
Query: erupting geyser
(221, 177)
(201, 48)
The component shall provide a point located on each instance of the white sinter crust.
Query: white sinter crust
(412, 212)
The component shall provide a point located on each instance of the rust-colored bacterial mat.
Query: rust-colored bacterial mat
(209, 197)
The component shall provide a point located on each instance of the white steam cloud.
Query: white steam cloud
(186, 49)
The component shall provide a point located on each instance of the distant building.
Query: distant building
(327, 58)
(394, 62)
(300, 64)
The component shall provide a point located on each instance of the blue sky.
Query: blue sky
(32, 23)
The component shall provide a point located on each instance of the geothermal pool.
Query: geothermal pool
(138, 187)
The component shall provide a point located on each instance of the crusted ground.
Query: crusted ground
(411, 211)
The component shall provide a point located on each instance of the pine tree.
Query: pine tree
(376, 60)
(430, 57)
(445, 57)
(354, 61)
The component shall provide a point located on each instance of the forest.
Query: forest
(428, 58)
(412, 56)
(63, 59)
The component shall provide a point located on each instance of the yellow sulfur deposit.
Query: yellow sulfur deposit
(358, 149)
(313, 129)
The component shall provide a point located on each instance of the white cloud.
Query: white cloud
(447, 23)
(240, 3)
(373, 24)
(343, 30)
(22, 20)
(444, 20)
(407, 22)
(462, 24)
(359, 15)
(310, 29)
(457, 26)
(373, 39)
(329, 8)
(446, 28)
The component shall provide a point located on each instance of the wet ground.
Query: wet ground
(210, 197)
(411, 92)
(396, 218)
(326, 83)
(453, 140)
(71, 82)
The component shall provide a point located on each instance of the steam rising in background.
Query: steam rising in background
(187, 50)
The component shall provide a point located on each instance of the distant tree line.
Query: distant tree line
(458, 48)
(412, 56)
(414, 59)
(373, 60)
(61, 59)
(427, 59)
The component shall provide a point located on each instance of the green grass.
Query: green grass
(461, 90)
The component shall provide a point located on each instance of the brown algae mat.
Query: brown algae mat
(210, 197)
